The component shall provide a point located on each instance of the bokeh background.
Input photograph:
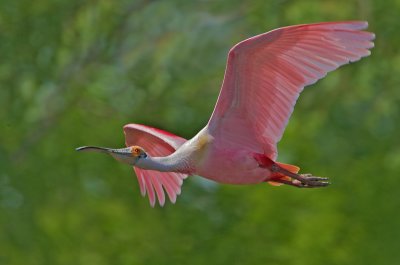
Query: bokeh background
(74, 72)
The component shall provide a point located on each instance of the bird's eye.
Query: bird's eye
(135, 151)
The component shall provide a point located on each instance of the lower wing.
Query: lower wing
(156, 142)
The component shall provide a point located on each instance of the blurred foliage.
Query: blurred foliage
(74, 72)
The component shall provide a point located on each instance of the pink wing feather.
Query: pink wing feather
(266, 73)
(156, 142)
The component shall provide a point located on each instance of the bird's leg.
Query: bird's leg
(299, 180)
(298, 184)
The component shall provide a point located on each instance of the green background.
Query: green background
(74, 72)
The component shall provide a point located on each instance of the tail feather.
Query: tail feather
(291, 168)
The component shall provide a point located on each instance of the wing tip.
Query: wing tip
(156, 188)
(173, 200)
(349, 24)
(358, 24)
(372, 36)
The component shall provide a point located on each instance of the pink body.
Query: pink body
(263, 79)
(231, 166)
(209, 159)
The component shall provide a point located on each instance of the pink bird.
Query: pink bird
(263, 79)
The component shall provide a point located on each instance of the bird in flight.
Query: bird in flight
(263, 78)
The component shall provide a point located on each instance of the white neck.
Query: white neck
(163, 164)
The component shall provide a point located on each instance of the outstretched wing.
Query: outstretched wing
(156, 142)
(266, 73)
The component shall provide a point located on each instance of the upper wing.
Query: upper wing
(156, 142)
(266, 73)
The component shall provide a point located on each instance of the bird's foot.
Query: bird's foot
(310, 181)
(301, 180)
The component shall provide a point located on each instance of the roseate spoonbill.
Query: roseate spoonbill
(263, 79)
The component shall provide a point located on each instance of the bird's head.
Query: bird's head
(129, 155)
